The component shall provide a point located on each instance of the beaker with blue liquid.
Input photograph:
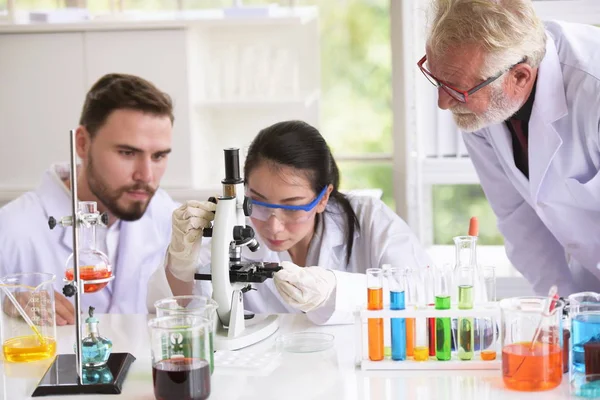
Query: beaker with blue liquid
(584, 311)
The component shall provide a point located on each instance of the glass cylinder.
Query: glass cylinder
(464, 271)
(527, 364)
(397, 287)
(375, 302)
(94, 267)
(180, 366)
(192, 305)
(28, 323)
(443, 326)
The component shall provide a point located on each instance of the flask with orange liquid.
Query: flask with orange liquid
(94, 267)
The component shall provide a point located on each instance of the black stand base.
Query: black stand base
(61, 378)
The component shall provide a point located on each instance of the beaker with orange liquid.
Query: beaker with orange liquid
(375, 302)
(94, 267)
(526, 365)
(28, 324)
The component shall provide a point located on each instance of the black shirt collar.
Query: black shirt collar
(524, 113)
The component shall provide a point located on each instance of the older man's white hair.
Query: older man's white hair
(508, 31)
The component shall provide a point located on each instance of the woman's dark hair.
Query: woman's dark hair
(299, 145)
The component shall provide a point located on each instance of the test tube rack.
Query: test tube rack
(361, 317)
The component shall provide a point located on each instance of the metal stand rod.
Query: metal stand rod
(78, 286)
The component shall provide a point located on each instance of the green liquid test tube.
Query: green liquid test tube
(466, 334)
(443, 330)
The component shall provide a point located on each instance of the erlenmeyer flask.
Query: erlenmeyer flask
(94, 267)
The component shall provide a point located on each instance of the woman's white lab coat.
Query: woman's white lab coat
(551, 222)
(384, 238)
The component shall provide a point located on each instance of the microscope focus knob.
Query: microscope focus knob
(247, 206)
(104, 218)
(241, 233)
(51, 222)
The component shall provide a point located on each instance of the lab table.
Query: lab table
(329, 374)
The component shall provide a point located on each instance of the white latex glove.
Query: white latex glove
(187, 224)
(304, 288)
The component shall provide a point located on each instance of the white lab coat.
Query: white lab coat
(28, 245)
(551, 222)
(384, 238)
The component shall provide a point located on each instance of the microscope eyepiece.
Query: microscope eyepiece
(232, 167)
(253, 245)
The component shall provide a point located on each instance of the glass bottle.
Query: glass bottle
(95, 348)
(94, 267)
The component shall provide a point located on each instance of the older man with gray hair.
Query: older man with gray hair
(527, 96)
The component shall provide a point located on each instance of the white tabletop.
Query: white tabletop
(330, 374)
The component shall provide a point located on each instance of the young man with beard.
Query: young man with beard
(123, 141)
(527, 97)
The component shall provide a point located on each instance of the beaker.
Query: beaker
(192, 305)
(528, 366)
(28, 322)
(180, 366)
(584, 311)
(94, 267)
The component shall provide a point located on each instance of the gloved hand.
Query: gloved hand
(305, 288)
(186, 237)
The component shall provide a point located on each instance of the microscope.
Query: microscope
(231, 277)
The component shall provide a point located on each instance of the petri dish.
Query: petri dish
(585, 386)
(305, 342)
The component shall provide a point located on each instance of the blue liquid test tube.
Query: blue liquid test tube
(397, 286)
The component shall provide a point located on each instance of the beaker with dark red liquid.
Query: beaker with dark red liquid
(181, 349)
(181, 379)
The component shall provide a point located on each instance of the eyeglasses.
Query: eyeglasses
(286, 214)
(460, 95)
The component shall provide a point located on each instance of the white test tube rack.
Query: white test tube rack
(361, 317)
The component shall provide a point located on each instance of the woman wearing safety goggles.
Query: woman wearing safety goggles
(324, 240)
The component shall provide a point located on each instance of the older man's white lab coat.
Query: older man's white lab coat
(384, 238)
(28, 245)
(551, 222)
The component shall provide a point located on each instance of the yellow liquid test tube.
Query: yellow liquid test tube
(421, 353)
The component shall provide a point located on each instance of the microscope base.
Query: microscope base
(256, 329)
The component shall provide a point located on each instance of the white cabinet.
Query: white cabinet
(228, 77)
(42, 87)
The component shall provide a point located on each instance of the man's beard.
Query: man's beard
(499, 110)
(110, 199)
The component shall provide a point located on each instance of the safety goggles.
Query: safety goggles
(457, 94)
(286, 214)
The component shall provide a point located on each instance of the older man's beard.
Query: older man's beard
(499, 110)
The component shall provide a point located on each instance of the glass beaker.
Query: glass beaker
(192, 305)
(28, 322)
(94, 267)
(584, 311)
(528, 366)
(180, 367)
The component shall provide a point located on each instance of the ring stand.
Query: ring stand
(66, 375)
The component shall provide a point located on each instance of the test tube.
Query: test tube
(487, 326)
(421, 351)
(397, 286)
(443, 326)
(410, 322)
(430, 297)
(387, 335)
(375, 302)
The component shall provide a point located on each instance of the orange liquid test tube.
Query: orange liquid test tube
(410, 337)
(375, 302)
